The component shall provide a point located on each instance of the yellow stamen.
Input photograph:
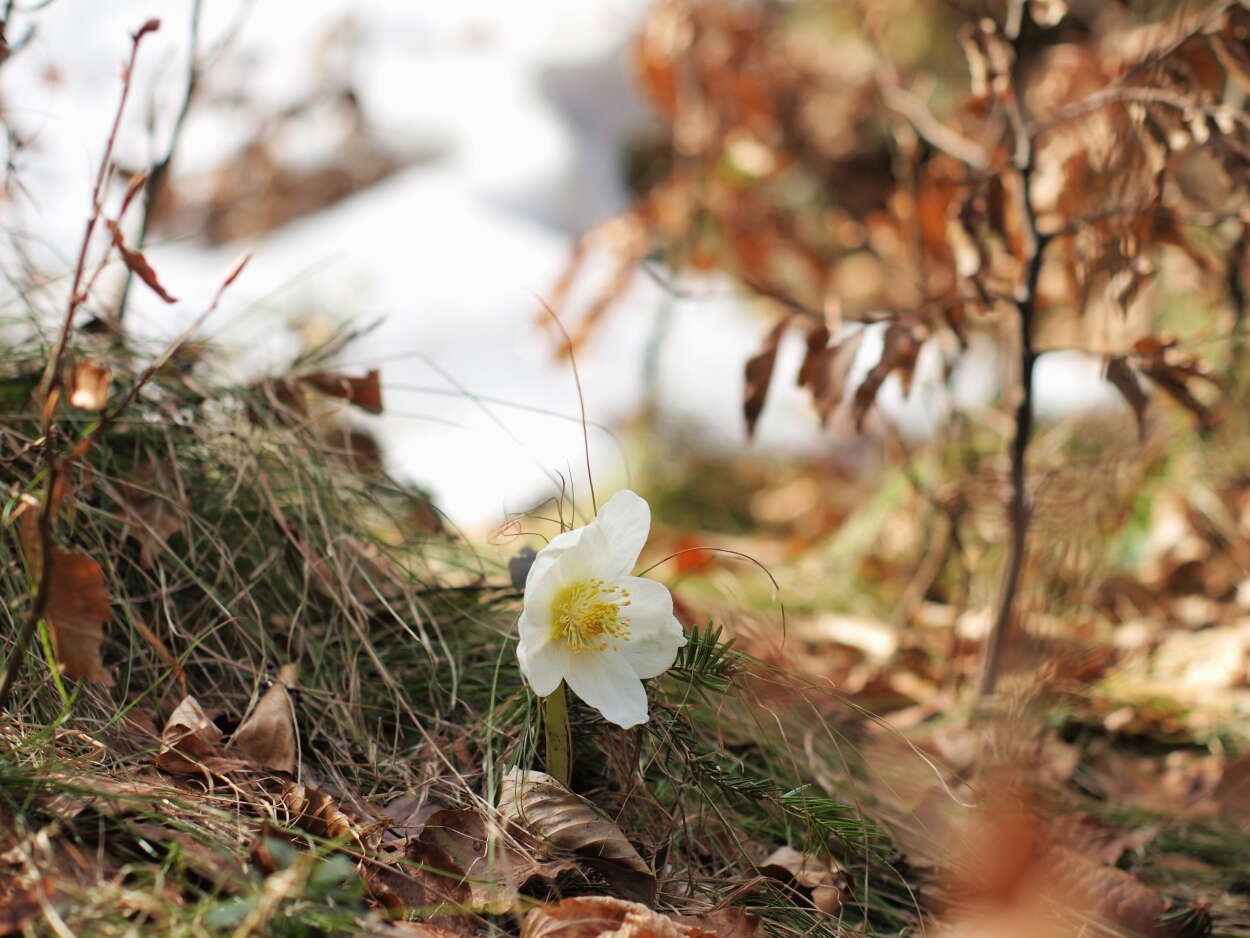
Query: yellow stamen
(586, 614)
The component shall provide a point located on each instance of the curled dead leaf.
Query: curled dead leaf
(604, 917)
(137, 263)
(365, 393)
(538, 803)
(89, 386)
(189, 742)
(316, 812)
(267, 735)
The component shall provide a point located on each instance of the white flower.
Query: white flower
(587, 622)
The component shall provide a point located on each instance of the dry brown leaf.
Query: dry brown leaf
(365, 393)
(758, 373)
(76, 608)
(189, 742)
(825, 370)
(898, 354)
(316, 812)
(604, 917)
(492, 867)
(267, 734)
(541, 805)
(1120, 374)
(821, 875)
(731, 922)
(89, 386)
(137, 263)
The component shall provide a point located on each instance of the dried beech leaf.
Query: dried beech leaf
(89, 386)
(494, 870)
(76, 608)
(825, 370)
(138, 264)
(1120, 373)
(898, 353)
(365, 393)
(189, 742)
(316, 812)
(267, 735)
(604, 917)
(758, 373)
(731, 922)
(805, 869)
(541, 805)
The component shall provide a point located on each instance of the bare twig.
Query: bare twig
(52, 373)
(1025, 300)
(159, 173)
(49, 383)
(931, 129)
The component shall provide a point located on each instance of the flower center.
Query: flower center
(586, 614)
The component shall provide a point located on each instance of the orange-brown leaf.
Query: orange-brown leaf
(365, 393)
(759, 373)
(597, 916)
(76, 608)
(89, 386)
(138, 264)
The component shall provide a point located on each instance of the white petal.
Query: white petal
(543, 663)
(607, 682)
(547, 557)
(626, 520)
(655, 633)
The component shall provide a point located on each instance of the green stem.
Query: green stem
(559, 748)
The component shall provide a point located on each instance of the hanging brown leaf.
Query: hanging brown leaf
(544, 807)
(138, 264)
(898, 354)
(758, 373)
(824, 371)
(189, 743)
(601, 916)
(76, 608)
(1159, 359)
(267, 735)
(365, 393)
(1120, 374)
(89, 386)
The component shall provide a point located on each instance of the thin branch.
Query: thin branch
(931, 129)
(160, 172)
(1025, 299)
(52, 373)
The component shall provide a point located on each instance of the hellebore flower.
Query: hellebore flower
(587, 622)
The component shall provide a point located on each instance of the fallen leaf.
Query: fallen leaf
(189, 742)
(137, 263)
(89, 386)
(604, 917)
(316, 812)
(76, 608)
(731, 922)
(267, 734)
(492, 867)
(821, 875)
(365, 393)
(541, 805)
